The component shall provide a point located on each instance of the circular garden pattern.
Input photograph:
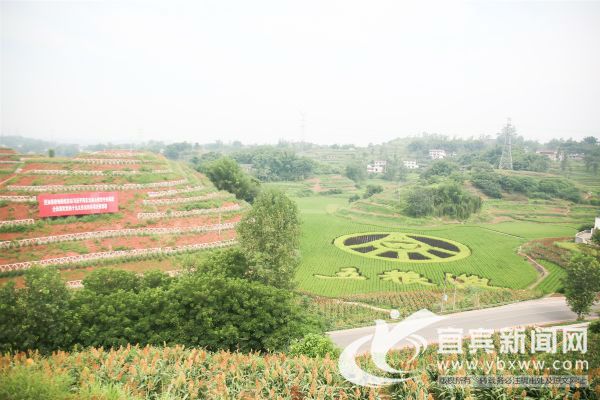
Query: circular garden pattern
(402, 247)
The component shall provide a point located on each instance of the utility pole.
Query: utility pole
(506, 161)
(454, 301)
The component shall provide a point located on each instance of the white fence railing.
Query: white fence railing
(69, 237)
(19, 199)
(121, 153)
(97, 187)
(9, 162)
(109, 160)
(91, 172)
(116, 254)
(13, 222)
(181, 200)
(166, 193)
(177, 214)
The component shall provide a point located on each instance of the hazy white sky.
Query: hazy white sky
(362, 71)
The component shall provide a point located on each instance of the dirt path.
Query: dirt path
(543, 272)
(316, 187)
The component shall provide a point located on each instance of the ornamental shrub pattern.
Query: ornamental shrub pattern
(177, 214)
(69, 237)
(99, 187)
(153, 251)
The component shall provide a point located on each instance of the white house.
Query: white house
(378, 167)
(551, 154)
(437, 154)
(586, 236)
(410, 164)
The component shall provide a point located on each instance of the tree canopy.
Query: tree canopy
(227, 175)
(270, 235)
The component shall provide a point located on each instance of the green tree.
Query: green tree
(419, 203)
(313, 345)
(107, 280)
(269, 235)
(356, 171)
(395, 171)
(440, 168)
(51, 153)
(596, 236)
(582, 283)
(226, 174)
(221, 313)
(10, 318)
(44, 307)
(371, 190)
(228, 263)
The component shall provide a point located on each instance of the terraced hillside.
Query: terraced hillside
(165, 209)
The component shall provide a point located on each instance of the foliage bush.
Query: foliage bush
(270, 165)
(119, 308)
(449, 200)
(313, 345)
(270, 235)
(23, 383)
(227, 175)
(492, 184)
(371, 190)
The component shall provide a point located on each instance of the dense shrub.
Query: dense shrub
(371, 190)
(216, 312)
(492, 184)
(227, 175)
(353, 198)
(448, 200)
(313, 345)
(270, 164)
(440, 168)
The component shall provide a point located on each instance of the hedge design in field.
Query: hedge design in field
(402, 247)
(404, 277)
(344, 273)
(468, 281)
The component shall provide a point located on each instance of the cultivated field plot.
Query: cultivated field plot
(165, 209)
(486, 256)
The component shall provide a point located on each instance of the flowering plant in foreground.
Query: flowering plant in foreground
(178, 372)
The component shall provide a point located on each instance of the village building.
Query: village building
(437, 154)
(410, 164)
(377, 167)
(585, 237)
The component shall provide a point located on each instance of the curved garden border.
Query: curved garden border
(70, 237)
(166, 193)
(176, 214)
(99, 187)
(19, 199)
(14, 222)
(180, 200)
(116, 254)
(91, 172)
(109, 160)
(367, 248)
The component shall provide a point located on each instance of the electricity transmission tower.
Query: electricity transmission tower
(506, 160)
(302, 126)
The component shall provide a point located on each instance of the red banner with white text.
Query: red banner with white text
(56, 205)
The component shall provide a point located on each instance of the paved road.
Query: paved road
(534, 312)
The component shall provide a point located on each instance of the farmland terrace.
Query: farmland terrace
(165, 209)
